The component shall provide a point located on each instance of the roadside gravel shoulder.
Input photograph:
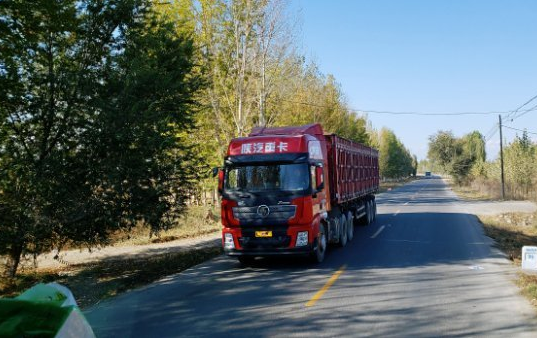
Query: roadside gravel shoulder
(84, 256)
(494, 207)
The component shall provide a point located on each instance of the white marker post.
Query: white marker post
(529, 258)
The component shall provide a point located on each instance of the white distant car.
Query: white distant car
(428, 174)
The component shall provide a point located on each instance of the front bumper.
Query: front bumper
(282, 241)
(300, 251)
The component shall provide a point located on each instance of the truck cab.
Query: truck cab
(273, 193)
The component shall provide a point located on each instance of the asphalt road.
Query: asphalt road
(424, 269)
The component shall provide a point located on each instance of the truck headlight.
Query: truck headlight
(302, 238)
(228, 241)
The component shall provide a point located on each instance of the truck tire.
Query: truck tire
(342, 231)
(369, 212)
(364, 220)
(374, 204)
(350, 227)
(318, 254)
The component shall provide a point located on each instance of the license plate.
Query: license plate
(263, 234)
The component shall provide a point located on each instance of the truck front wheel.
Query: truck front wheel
(318, 255)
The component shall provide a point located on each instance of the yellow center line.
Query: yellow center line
(327, 286)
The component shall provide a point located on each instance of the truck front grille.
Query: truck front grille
(277, 213)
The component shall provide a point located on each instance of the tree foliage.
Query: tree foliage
(520, 163)
(395, 161)
(254, 75)
(111, 111)
(96, 101)
(457, 156)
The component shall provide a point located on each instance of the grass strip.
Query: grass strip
(469, 193)
(528, 284)
(389, 185)
(91, 283)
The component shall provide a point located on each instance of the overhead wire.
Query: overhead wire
(524, 112)
(524, 131)
(424, 114)
(492, 131)
(488, 139)
(356, 110)
(509, 115)
(520, 107)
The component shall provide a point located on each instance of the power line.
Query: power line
(423, 114)
(524, 112)
(357, 110)
(524, 131)
(488, 139)
(521, 106)
(394, 112)
(491, 132)
(488, 135)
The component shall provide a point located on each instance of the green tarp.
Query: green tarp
(43, 311)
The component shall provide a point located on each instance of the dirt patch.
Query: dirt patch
(511, 232)
(91, 283)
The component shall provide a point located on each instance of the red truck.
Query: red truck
(293, 190)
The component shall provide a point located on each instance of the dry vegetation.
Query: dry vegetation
(511, 232)
(90, 283)
(472, 194)
(200, 220)
(491, 190)
(394, 183)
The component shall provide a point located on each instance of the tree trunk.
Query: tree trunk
(13, 260)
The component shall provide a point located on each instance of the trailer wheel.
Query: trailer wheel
(350, 227)
(318, 255)
(364, 220)
(374, 204)
(357, 220)
(342, 231)
(369, 212)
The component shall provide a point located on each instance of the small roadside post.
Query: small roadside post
(529, 258)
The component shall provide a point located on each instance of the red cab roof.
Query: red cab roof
(298, 139)
(311, 129)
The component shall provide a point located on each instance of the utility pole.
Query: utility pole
(501, 157)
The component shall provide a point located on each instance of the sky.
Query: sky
(429, 56)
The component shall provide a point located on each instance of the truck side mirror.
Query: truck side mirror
(319, 178)
(215, 171)
(220, 174)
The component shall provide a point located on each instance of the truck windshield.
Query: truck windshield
(285, 177)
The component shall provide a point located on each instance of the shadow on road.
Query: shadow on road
(417, 273)
(223, 298)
